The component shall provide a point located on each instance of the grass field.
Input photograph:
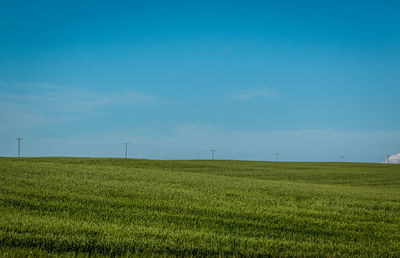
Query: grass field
(87, 206)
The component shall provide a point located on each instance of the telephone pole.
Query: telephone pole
(277, 156)
(212, 153)
(126, 149)
(19, 147)
(342, 157)
(388, 158)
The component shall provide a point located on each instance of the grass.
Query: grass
(85, 206)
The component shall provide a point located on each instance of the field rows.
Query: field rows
(121, 207)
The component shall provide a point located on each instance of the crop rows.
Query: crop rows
(65, 206)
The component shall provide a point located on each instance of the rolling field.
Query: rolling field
(88, 206)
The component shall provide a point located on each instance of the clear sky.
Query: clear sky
(312, 80)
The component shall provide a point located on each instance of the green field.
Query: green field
(88, 206)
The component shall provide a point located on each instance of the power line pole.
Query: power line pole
(212, 153)
(388, 158)
(126, 149)
(342, 157)
(19, 147)
(277, 156)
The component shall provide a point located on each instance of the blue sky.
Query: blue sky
(312, 80)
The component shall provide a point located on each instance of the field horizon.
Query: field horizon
(234, 160)
(73, 206)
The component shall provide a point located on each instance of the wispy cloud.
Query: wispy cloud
(194, 141)
(72, 99)
(255, 93)
(31, 105)
(394, 159)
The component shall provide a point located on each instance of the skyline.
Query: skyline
(313, 81)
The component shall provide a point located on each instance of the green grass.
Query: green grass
(81, 206)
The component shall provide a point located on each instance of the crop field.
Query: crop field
(128, 207)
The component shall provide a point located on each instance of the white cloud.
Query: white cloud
(32, 105)
(394, 159)
(185, 141)
(256, 93)
(194, 141)
(71, 99)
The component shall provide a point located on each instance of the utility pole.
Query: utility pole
(277, 156)
(388, 158)
(126, 149)
(19, 147)
(342, 157)
(212, 153)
